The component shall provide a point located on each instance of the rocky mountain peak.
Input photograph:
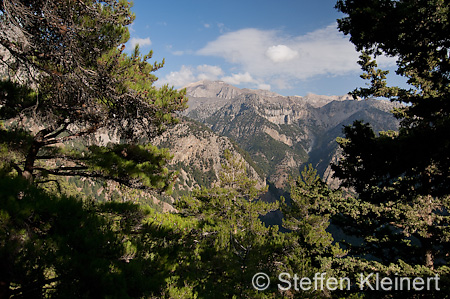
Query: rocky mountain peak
(317, 101)
(282, 133)
(222, 90)
(212, 89)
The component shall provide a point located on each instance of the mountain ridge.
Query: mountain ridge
(207, 88)
(283, 133)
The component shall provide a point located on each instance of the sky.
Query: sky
(291, 47)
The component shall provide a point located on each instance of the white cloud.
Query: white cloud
(272, 56)
(222, 27)
(189, 74)
(237, 47)
(241, 78)
(178, 53)
(141, 41)
(179, 78)
(281, 53)
(169, 48)
(264, 86)
(269, 58)
(209, 72)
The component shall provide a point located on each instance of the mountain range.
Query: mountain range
(281, 134)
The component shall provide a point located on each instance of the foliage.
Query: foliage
(308, 215)
(79, 84)
(61, 247)
(232, 242)
(417, 155)
(354, 267)
(65, 82)
(402, 178)
(310, 246)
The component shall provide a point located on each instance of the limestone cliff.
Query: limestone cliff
(198, 154)
(283, 133)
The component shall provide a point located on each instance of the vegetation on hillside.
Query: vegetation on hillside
(67, 80)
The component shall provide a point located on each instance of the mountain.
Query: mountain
(198, 154)
(283, 133)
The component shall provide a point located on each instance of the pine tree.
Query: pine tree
(233, 242)
(308, 214)
(307, 217)
(67, 80)
(52, 245)
(402, 178)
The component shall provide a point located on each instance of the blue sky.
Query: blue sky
(291, 47)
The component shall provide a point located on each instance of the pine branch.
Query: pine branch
(91, 130)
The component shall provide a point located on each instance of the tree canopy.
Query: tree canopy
(416, 33)
(404, 175)
(67, 81)
(73, 103)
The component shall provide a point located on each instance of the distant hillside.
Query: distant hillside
(198, 154)
(280, 133)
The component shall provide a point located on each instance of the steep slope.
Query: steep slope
(282, 133)
(198, 154)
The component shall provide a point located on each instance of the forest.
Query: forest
(66, 80)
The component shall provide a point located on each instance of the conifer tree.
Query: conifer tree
(233, 242)
(55, 246)
(402, 178)
(66, 80)
(310, 248)
(308, 214)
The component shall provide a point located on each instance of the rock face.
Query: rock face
(198, 154)
(282, 134)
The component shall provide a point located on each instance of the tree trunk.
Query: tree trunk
(427, 245)
(429, 259)
(427, 241)
(32, 154)
(29, 162)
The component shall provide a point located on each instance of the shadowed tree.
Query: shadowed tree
(67, 81)
(403, 176)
